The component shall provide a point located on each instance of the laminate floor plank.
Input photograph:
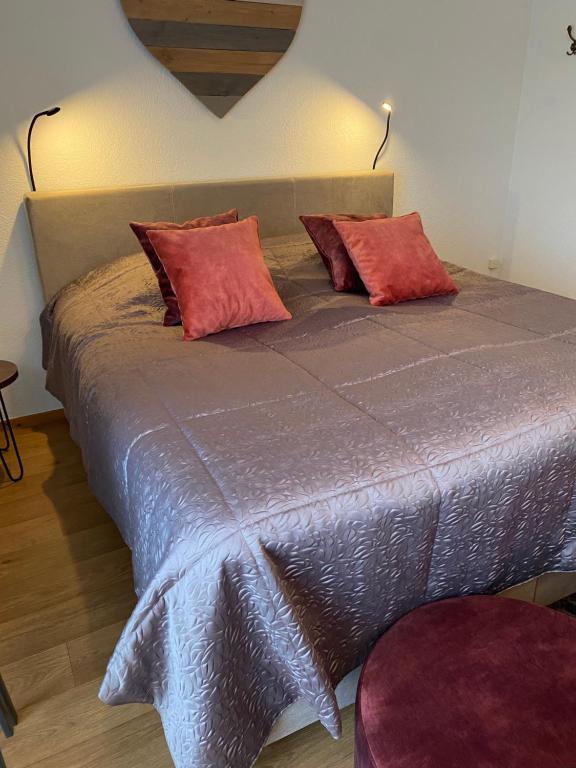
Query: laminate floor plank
(139, 743)
(42, 480)
(49, 528)
(49, 556)
(61, 722)
(74, 506)
(34, 443)
(31, 594)
(24, 636)
(89, 654)
(37, 678)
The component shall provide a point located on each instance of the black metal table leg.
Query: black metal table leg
(2, 763)
(9, 442)
(8, 716)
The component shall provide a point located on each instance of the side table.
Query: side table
(8, 374)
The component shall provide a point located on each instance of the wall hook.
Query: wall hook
(572, 51)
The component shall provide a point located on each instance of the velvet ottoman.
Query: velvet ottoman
(475, 682)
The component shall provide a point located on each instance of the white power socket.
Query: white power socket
(494, 264)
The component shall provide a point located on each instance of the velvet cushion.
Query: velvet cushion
(332, 250)
(395, 259)
(475, 682)
(141, 229)
(219, 276)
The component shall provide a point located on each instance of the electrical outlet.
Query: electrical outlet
(494, 264)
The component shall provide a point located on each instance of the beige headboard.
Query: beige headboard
(77, 231)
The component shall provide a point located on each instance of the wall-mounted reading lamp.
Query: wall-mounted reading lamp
(47, 113)
(387, 107)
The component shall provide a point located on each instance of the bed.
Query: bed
(289, 490)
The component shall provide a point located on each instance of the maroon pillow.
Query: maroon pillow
(140, 229)
(331, 248)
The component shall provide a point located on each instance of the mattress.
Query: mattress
(289, 490)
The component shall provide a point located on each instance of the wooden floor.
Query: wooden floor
(65, 593)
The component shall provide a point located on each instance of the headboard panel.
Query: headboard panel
(77, 231)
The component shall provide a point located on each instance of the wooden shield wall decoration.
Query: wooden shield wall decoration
(219, 49)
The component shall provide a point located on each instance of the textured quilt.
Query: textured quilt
(289, 490)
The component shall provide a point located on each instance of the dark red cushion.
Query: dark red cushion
(332, 250)
(141, 229)
(476, 682)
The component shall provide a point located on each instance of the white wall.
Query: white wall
(452, 67)
(541, 248)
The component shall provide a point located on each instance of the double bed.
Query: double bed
(289, 490)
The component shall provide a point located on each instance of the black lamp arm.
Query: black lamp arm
(381, 147)
(29, 143)
(47, 113)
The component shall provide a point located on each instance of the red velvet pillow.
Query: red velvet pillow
(329, 244)
(219, 277)
(141, 229)
(395, 259)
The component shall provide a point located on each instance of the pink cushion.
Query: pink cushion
(395, 259)
(219, 276)
(474, 682)
(141, 229)
(329, 244)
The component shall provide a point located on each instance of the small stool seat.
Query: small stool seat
(474, 682)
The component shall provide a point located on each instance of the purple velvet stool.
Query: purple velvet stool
(474, 682)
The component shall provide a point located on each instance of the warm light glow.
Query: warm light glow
(386, 106)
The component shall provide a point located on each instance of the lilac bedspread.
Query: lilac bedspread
(289, 490)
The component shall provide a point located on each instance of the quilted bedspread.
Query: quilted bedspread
(289, 490)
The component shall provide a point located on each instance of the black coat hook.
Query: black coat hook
(572, 51)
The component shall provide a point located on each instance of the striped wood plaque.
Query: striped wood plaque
(219, 49)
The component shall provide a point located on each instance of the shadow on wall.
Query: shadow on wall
(60, 50)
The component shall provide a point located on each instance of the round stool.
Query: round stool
(474, 682)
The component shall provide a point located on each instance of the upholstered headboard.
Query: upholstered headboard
(77, 231)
